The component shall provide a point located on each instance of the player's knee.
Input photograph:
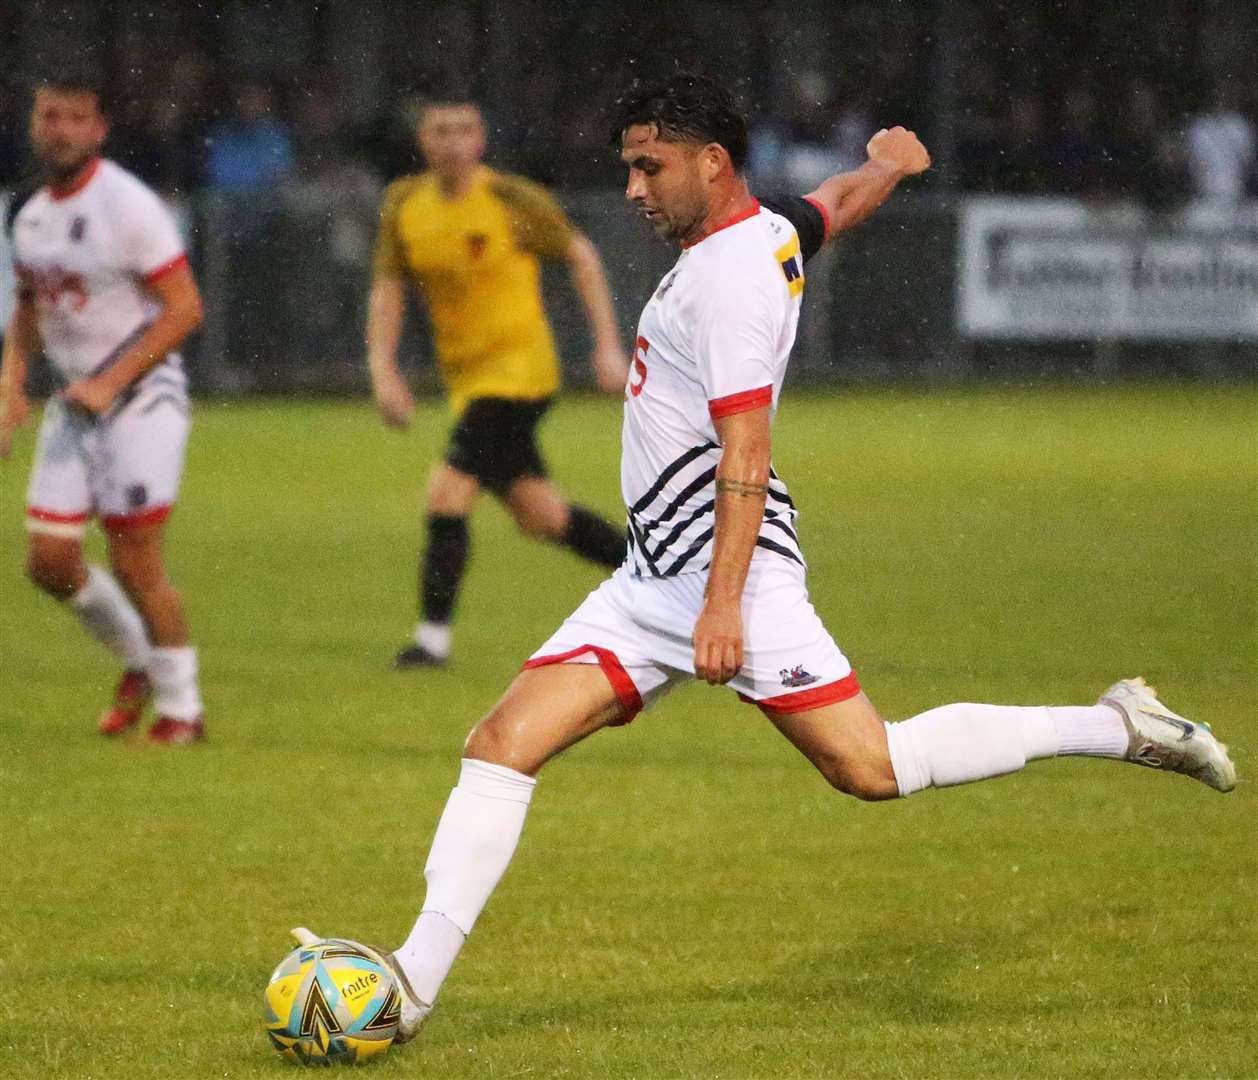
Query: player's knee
(490, 741)
(865, 780)
(533, 524)
(55, 573)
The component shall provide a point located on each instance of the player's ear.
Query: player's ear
(713, 159)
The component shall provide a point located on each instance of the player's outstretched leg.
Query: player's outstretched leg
(55, 564)
(135, 553)
(544, 711)
(965, 742)
(540, 510)
(451, 495)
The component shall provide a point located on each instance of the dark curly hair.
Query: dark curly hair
(685, 107)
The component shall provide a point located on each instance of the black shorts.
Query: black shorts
(495, 441)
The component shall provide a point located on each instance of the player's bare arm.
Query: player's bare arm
(180, 315)
(851, 197)
(20, 343)
(611, 368)
(386, 307)
(742, 484)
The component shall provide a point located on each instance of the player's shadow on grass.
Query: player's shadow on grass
(913, 980)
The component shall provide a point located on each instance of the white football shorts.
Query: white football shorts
(124, 467)
(639, 631)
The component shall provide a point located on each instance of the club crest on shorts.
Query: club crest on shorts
(796, 676)
(137, 496)
(78, 229)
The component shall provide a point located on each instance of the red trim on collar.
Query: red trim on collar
(85, 177)
(742, 215)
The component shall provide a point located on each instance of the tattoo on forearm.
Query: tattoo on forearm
(738, 487)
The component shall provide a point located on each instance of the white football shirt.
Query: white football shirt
(713, 340)
(84, 255)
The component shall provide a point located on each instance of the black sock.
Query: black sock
(593, 538)
(441, 569)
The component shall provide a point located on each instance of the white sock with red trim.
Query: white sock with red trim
(957, 744)
(173, 670)
(475, 840)
(109, 616)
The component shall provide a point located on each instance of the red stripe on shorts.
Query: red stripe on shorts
(55, 517)
(812, 698)
(152, 516)
(626, 693)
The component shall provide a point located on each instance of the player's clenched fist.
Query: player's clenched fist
(900, 150)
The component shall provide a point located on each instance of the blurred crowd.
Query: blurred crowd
(190, 130)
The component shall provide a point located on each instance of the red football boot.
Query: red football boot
(172, 732)
(133, 693)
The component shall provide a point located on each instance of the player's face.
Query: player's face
(452, 138)
(67, 130)
(665, 181)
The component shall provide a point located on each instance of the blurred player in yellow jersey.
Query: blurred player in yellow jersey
(470, 239)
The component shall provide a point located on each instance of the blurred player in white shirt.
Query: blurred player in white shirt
(714, 584)
(105, 293)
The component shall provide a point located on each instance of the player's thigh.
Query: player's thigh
(59, 496)
(451, 492)
(545, 711)
(537, 506)
(846, 741)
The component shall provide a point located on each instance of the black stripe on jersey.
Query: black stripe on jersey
(806, 218)
(770, 545)
(669, 472)
(681, 527)
(699, 544)
(782, 497)
(783, 526)
(697, 484)
(638, 541)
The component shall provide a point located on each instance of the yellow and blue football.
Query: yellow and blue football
(331, 1001)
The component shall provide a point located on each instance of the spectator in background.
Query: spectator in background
(252, 149)
(1077, 153)
(1147, 165)
(1222, 149)
(1017, 158)
(12, 137)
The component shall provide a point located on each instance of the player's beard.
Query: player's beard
(62, 168)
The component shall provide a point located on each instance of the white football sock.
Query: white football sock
(109, 616)
(1092, 730)
(434, 638)
(473, 845)
(429, 953)
(956, 744)
(173, 670)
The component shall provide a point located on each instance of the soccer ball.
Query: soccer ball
(331, 1001)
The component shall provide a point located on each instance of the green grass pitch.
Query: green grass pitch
(690, 899)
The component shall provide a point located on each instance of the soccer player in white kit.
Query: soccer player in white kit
(105, 289)
(713, 586)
